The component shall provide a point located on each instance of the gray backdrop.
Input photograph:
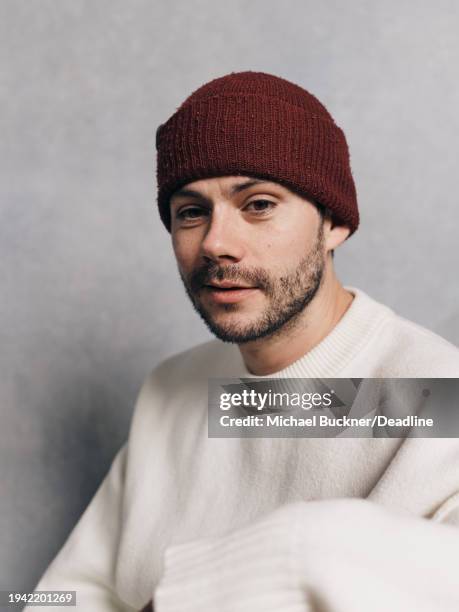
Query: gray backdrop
(91, 299)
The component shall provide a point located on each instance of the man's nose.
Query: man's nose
(223, 237)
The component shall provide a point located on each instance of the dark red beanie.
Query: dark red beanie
(260, 125)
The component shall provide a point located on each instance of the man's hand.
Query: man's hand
(148, 607)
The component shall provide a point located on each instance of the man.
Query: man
(256, 189)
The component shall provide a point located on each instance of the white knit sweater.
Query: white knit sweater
(247, 525)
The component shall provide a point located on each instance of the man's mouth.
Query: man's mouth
(227, 292)
(228, 286)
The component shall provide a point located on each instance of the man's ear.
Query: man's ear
(334, 234)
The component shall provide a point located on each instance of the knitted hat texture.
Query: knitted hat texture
(259, 125)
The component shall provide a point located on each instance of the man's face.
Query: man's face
(250, 253)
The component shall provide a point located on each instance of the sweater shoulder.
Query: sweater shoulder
(415, 351)
(212, 359)
(178, 386)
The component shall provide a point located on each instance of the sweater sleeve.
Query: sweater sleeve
(341, 555)
(87, 561)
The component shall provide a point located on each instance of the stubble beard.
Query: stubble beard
(288, 295)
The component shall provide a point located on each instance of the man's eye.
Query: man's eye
(188, 214)
(260, 206)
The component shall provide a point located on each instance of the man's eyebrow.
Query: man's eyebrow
(188, 193)
(241, 186)
(234, 189)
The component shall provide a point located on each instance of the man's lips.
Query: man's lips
(228, 285)
(228, 292)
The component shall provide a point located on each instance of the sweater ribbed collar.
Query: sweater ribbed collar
(344, 343)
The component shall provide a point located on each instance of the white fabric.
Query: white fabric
(267, 524)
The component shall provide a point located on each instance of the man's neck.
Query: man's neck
(274, 353)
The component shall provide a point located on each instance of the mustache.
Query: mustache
(213, 272)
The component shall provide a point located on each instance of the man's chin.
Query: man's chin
(232, 335)
(231, 327)
(238, 323)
